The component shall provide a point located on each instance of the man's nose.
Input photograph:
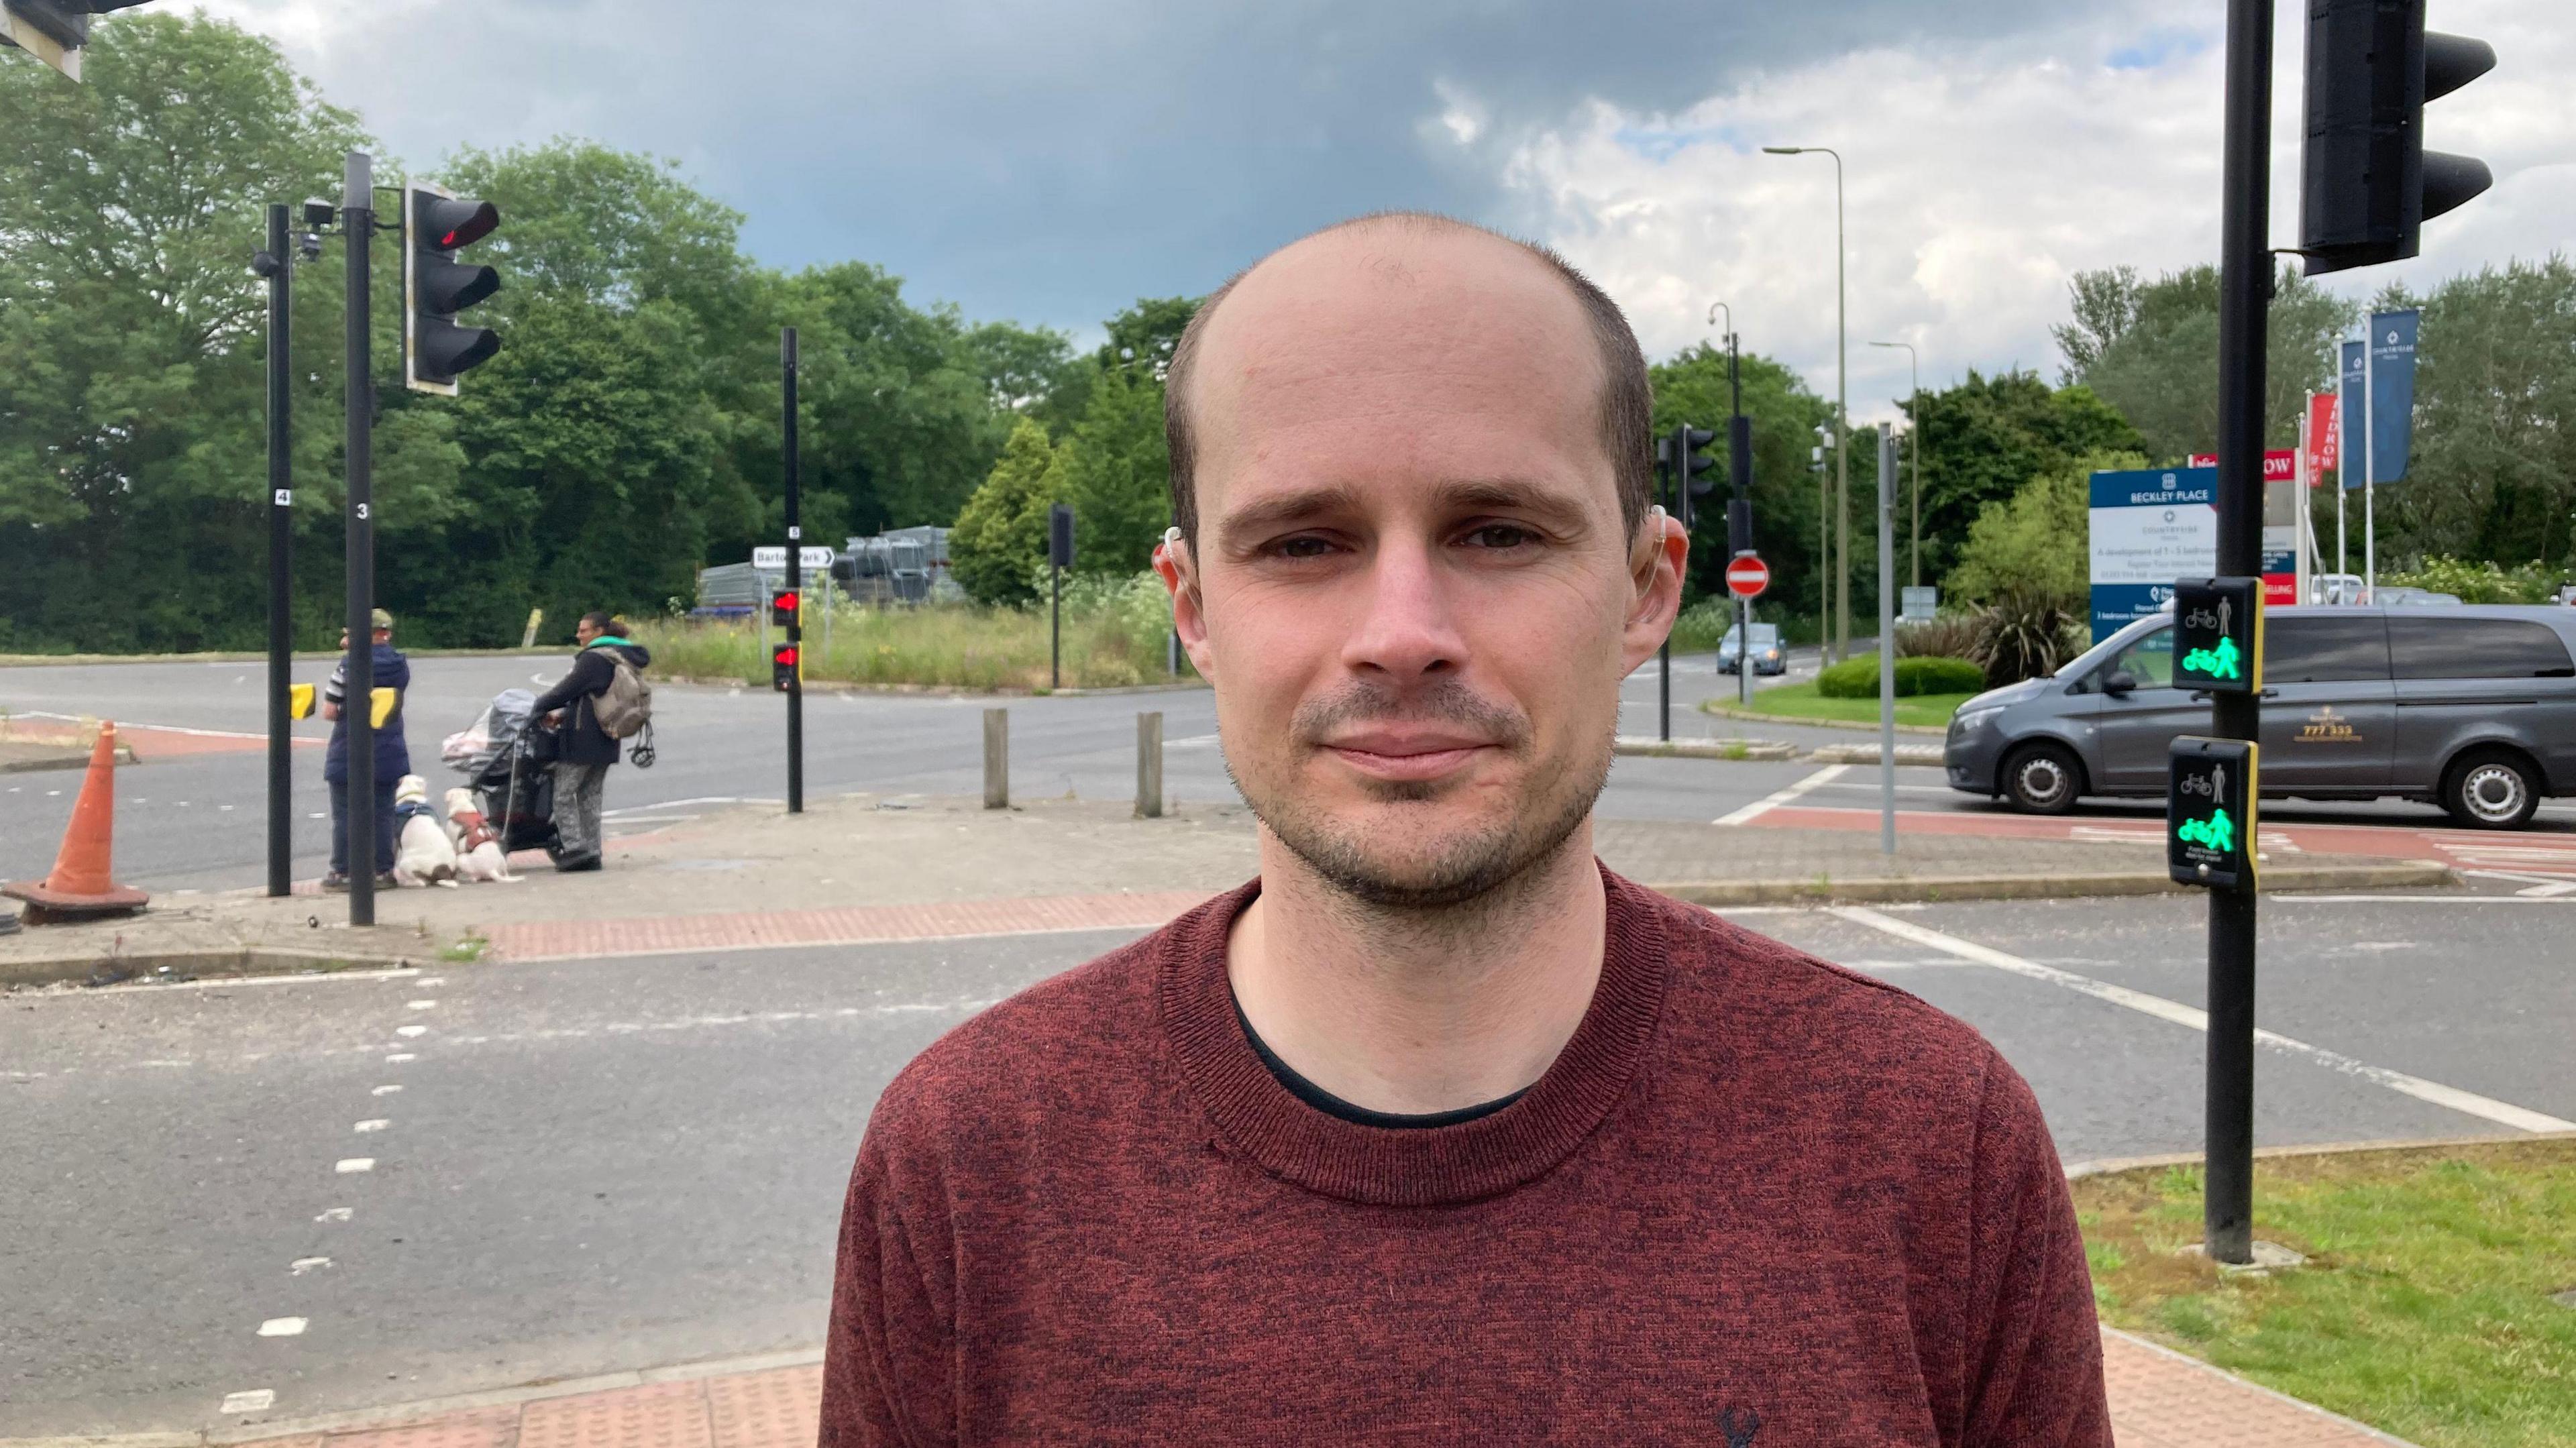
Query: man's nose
(1407, 628)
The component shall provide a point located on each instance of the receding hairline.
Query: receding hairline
(1622, 361)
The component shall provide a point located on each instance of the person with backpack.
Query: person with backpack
(599, 703)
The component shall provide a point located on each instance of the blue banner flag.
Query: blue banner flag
(2392, 391)
(2348, 461)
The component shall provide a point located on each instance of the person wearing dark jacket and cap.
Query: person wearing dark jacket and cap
(393, 756)
(585, 751)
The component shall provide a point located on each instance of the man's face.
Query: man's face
(1412, 587)
(583, 632)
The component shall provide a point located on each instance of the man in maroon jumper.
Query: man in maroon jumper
(1438, 1132)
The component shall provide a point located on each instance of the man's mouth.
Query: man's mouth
(1405, 754)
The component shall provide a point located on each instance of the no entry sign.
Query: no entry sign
(1747, 576)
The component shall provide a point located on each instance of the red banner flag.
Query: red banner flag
(2325, 435)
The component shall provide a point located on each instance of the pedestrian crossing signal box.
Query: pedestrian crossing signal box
(2210, 795)
(786, 667)
(2218, 635)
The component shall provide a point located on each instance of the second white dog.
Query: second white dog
(478, 845)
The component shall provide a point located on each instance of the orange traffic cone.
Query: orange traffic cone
(82, 883)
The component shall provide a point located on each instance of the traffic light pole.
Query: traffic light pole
(2245, 292)
(357, 697)
(281, 537)
(1664, 655)
(795, 578)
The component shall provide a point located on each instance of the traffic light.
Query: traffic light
(782, 607)
(1690, 444)
(2367, 183)
(2209, 812)
(786, 666)
(1060, 535)
(437, 349)
(2218, 634)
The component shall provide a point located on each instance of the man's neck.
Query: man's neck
(1412, 1011)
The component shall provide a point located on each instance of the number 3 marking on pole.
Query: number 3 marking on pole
(362, 510)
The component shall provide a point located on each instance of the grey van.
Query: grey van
(2472, 708)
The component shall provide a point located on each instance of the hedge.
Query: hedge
(1857, 678)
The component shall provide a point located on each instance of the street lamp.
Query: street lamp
(1824, 540)
(1842, 411)
(1914, 542)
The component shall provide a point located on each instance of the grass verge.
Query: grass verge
(1114, 634)
(2426, 1306)
(1801, 701)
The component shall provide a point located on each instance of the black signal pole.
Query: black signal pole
(1664, 653)
(357, 699)
(2244, 295)
(795, 579)
(281, 517)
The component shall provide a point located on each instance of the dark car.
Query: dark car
(1768, 656)
(2472, 708)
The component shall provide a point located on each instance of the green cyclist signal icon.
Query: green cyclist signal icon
(2217, 832)
(2221, 662)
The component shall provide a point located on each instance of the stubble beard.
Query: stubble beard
(1468, 868)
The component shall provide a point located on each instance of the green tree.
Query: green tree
(2034, 542)
(1119, 469)
(1692, 388)
(130, 334)
(2150, 349)
(1986, 438)
(1000, 539)
(2492, 475)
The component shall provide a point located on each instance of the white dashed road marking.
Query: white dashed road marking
(282, 1327)
(1770, 802)
(336, 1214)
(252, 1400)
(377, 1124)
(302, 1265)
(398, 1057)
(420, 1005)
(348, 1164)
(384, 1091)
(411, 1030)
(2468, 1102)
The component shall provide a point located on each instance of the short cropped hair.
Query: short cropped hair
(1627, 395)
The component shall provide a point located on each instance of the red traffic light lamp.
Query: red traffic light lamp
(786, 667)
(782, 607)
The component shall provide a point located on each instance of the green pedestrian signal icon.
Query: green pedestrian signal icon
(2218, 832)
(2218, 634)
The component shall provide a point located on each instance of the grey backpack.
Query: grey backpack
(625, 707)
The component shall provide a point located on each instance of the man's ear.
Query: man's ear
(1174, 564)
(1655, 568)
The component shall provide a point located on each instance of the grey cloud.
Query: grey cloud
(1052, 161)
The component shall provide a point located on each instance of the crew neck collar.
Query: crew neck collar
(1260, 1119)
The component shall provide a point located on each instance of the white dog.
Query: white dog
(478, 845)
(423, 855)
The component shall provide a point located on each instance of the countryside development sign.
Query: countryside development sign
(2148, 529)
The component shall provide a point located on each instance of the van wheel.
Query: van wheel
(2491, 789)
(2043, 779)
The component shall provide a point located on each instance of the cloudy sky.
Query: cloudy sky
(1050, 160)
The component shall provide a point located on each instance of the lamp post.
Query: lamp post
(1842, 411)
(1824, 544)
(1914, 531)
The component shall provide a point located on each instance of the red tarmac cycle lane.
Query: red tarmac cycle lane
(2552, 855)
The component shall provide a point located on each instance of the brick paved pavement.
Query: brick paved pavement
(2159, 1399)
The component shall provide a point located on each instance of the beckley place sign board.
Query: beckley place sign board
(2149, 528)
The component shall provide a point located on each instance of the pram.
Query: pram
(504, 757)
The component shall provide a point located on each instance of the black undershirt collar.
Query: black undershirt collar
(1332, 1105)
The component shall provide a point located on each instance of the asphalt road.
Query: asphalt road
(587, 1166)
(198, 821)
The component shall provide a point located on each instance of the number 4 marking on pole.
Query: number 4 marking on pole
(285, 498)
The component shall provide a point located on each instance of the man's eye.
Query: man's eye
(1305, 547)
(1500, 535)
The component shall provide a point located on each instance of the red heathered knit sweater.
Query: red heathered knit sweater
(1757, 1201)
